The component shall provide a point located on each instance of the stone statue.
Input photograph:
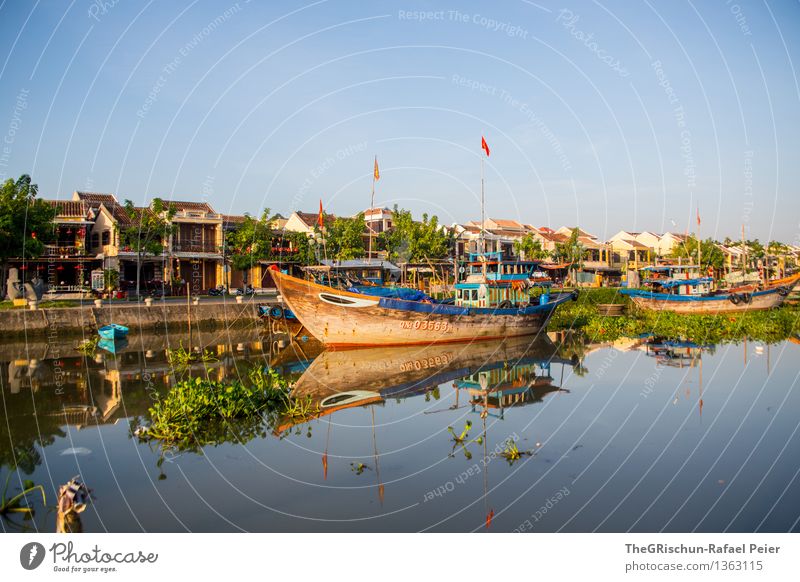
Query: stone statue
(38, 287)
(13, 285)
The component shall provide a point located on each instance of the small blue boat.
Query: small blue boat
(113, 331)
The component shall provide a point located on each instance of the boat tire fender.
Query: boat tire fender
(734, 298)
(506, 305)
(747, 298)
(575, 295)
(783, 291)
(276, 312)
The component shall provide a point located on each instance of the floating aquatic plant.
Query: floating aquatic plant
(88, 347)
(180, 358)
(199, 412)
(19, 503)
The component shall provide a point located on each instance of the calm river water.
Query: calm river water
(640, 435)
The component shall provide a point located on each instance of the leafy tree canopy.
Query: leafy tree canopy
(414, 241)
(345, 238)
(530, 248)
(571, 250)
(26, 222)
(710, 253)
(255, 240)
(148, 229)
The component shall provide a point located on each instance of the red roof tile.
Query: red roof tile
(69, 208)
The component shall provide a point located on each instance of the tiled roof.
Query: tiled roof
(95, 199)
(377, 210)
(590, 243)
(507, 224)
(121, 215)
(233, 218)
(69, 208)
(182, 205)
(553, 236)
(310, 218)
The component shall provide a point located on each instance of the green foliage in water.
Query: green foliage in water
(88, 347)
(768, 326)
(19, 502)
(180, 358)
(199, 412)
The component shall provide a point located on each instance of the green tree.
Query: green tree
(251, 242)
(414, 241)
(148, 231)
(530, 248)
(303, 251)
(570, 251)
(710, 253)
(256, 240)
(26, 222)
(344, 238)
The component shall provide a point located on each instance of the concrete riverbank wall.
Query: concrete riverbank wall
(160, 317)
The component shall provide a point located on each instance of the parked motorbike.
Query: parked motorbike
(217, 291)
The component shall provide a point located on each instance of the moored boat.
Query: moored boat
(113, 331)
(706, 303)
(481, 309)
(789, 282)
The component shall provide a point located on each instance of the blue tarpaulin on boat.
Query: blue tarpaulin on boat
(392, 292)
(669, 283)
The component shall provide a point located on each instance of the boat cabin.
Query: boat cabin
(490, 281)
(492, 267)
(677, 280)
(698, 287)
(344, 274)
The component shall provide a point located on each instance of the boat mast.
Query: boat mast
(371, 206)
(699, 245)
(744, 256)
(483, 214)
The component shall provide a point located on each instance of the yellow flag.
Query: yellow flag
(377, 173)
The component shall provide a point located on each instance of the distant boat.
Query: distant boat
(789, 282)
(113, 331)
(700, 300)
(483, 308)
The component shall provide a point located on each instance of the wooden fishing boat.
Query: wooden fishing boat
(487, 309)
(113, 331)
(706, 303)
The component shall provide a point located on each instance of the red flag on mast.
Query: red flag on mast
(485, 146)
(698, 216)
(319, 218)
(376, 173)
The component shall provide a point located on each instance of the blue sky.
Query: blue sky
(609, 115)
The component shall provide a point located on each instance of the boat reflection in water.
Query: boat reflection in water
(504, 373)
(495, 375)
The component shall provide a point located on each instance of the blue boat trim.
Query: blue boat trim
(669, 283)
(440, 309)
(668, 297)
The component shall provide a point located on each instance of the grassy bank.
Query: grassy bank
(582, 315)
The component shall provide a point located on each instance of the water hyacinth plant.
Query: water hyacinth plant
(199, 412)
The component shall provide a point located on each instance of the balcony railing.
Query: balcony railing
(63, 250)
(181, 246)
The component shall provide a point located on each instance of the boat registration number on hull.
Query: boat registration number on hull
(425, 325)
